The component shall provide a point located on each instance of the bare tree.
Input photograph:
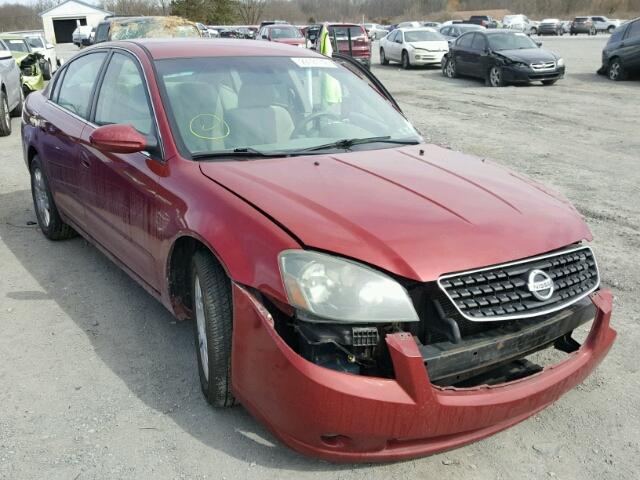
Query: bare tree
(250, 11)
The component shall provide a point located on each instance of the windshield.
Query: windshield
(510, 41)
(285, 32)
(35, 42)
(273, 104)
(167, 27)
(422, 36)
(17, 45)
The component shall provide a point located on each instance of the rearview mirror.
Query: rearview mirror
(119, 138)
(5, 54)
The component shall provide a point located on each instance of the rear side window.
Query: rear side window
(465, 41)
(123, 97)
(479, 43)
(634, 30)
(77, 84)
(343, 32)
(102, 33)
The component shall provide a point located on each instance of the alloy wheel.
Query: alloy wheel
(202, 331)
(451, 68)
(495, 77)
(614, 70)
(42, 198)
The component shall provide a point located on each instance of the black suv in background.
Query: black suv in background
(621, 55)
(583, 25)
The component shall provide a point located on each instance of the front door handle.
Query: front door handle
(84, 160)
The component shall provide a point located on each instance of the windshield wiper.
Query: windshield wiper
(350, 142)
(244, 152)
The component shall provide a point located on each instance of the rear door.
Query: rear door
(63, 120)
(478, 56)
(120, 190)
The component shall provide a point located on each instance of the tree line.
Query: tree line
(23, 17)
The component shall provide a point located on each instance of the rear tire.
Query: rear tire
(212, 325)
(46, 70)
(47, 213)
(5, 115)
(611, 29)
(616, 71)
(496, 78)
(383, 58)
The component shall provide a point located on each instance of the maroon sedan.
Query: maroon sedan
(282, 33)
(367, 296)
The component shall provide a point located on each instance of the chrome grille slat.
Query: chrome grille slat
(501, 292)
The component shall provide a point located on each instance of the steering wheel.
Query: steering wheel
(315, 117)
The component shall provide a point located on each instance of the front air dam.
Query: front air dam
(342, 417)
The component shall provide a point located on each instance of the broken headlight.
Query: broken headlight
(332, 289)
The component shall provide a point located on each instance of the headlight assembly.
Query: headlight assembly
(560, 62)
(334, 289)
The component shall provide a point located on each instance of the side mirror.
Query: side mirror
(539, 44)
(264, 37)
(5, 54)
(119, 138)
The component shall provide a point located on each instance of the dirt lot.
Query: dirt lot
(98, 381)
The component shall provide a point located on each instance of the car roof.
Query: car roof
(164, 48)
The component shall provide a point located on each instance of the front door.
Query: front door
(120, 193)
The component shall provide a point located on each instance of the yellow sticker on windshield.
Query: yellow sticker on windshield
(209, 127)
(313, 62)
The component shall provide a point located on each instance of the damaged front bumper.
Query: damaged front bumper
(350, 418)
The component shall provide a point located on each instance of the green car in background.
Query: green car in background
(29, 62)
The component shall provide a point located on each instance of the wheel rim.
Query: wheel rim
(42, 199)
(7, 115)
(451, 69)
(614, 71)
(201, 324)
(495, 77)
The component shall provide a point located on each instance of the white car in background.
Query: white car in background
(520, 23)
(38, 44)
(375, 31)
(413, 46)
(11, 93)
(82, 36)
(604, 24)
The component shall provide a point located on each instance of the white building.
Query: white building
(60, 21)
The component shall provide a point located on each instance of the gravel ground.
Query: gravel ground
(98, 381)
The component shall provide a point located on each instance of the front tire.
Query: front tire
(46, 70)
(213, 325)
(5, 115)
(47, 213)
(17, 112)
(450, 68)
(406, 63)
(383, 58)
(496, 78)
(549, 82)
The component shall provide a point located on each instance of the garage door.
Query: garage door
(63, 29)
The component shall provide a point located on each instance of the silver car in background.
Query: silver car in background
(375, 31)
(413, 46)
(11, 94)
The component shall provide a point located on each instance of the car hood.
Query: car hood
(528, 55)
(431, 45)
(417, 216)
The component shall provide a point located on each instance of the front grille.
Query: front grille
(543, 66)
(502, 292)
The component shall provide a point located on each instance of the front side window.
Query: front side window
(77, 84)
(35, 42)
(273, 104)
(122, 97)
